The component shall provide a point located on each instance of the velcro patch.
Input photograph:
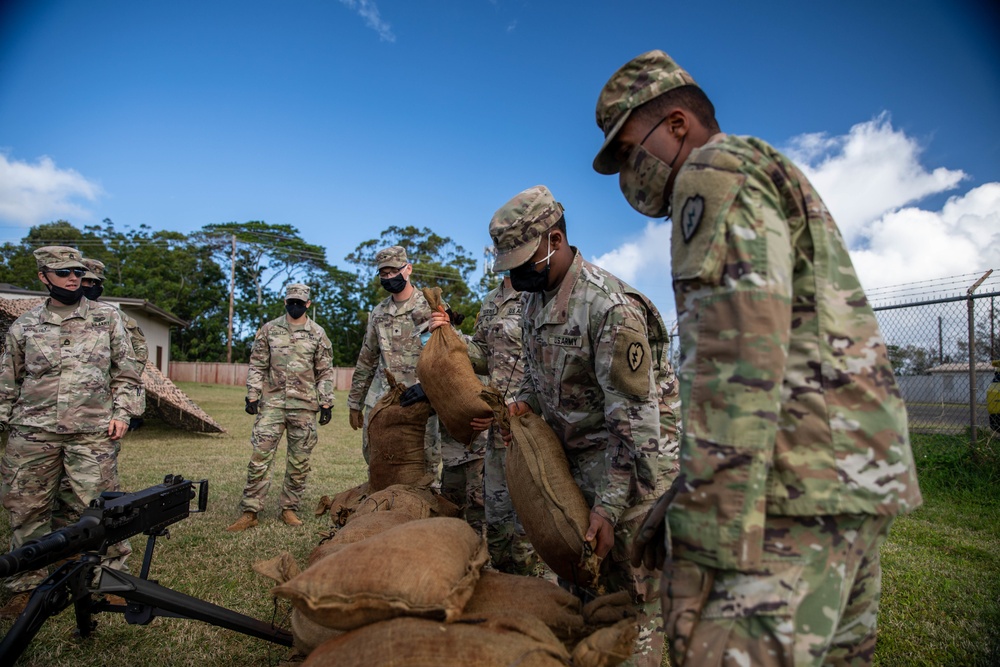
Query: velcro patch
(630, 363)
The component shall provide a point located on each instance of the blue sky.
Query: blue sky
(343, 117)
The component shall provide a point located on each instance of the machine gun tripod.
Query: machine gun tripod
(111, 519)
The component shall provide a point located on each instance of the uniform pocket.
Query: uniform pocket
(684, 590)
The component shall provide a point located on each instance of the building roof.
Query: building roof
(12, 291)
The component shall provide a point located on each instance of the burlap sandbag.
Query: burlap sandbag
(376, 579)
(360, 527)
(448, 380)
(396, 439)
(499, 594)
(547, 499)
(341, 505)
(307, 635)
(608, 609)
(607, 647)
(415, 642)
(416, 501)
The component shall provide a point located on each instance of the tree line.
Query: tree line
(189, 275)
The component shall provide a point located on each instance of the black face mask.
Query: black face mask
(524, 278)
(94, 292)
(295, 309)
(65, 296)
(395, 285)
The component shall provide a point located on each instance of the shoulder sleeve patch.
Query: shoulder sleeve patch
(630, 363)
(698, 240)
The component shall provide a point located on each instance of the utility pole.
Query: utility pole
(232, 292)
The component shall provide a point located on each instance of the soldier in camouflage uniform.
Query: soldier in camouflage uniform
(93, 287)
(69, 383)
(396, 332)
(594, 368)
(289, 379)
(795, 455)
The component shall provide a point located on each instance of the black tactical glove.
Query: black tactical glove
(414, 394)
(325, 415)
(456, 318)
(251, 407)
(135, 423)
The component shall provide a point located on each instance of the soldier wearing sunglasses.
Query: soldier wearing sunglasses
(69, 384)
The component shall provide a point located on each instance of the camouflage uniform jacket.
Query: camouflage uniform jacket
(291, 366)
(137, 337)
(71, 375)
(590, 373)
(392, 340)
(495, 347)
(790, 406)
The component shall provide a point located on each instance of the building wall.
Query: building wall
(943, 387)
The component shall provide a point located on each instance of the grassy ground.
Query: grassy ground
(941, 579)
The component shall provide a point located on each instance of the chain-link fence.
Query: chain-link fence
(943, 336)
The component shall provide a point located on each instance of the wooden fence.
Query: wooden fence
(234, 374)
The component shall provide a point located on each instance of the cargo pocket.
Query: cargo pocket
(684, 590)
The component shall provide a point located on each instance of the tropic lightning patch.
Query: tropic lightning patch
(630, 363)
(691, 214)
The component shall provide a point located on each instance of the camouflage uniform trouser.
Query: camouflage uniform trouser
(34, 465)
(267, 429)
(510, 549)
(462, 478)
(814, 600)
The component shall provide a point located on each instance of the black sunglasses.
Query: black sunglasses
(64, 273)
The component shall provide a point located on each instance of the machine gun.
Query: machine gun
(114, 517)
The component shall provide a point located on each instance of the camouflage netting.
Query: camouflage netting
(163, 398)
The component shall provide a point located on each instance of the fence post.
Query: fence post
(973, 432)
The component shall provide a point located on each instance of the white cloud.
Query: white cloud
(871, 170)
(32, 194)
(871, 179)
(911, 244)
(367, 10)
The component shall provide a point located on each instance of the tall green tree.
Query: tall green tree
(269, 257)
(18, 264)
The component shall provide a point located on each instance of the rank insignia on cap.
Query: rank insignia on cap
(635, 355)
(691, 214)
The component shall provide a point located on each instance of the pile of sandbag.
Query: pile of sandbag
(399, 582)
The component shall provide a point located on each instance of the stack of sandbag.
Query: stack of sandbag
(548, 501)
(396, 439)
(448, 379)
(398, 585)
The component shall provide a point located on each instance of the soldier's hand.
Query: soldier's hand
(601, 534)
(412, 395)
(455, 318)
(325, 414)
(357, 419)
(438, 319)
(515, 409)
(251, 408)
(649, 548)
(481, 423)
(116, 429)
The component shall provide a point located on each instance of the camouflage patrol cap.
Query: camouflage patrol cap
(297, 291)
(393, 258)
(635, 83)
(518, 226)
(95, 269)
(58, 257)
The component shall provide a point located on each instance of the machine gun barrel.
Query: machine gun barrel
(113, 517)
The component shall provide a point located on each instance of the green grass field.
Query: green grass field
(941, 579)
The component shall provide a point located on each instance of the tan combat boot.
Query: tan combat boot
(15, 605)
(248, 520)
(289, 517)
